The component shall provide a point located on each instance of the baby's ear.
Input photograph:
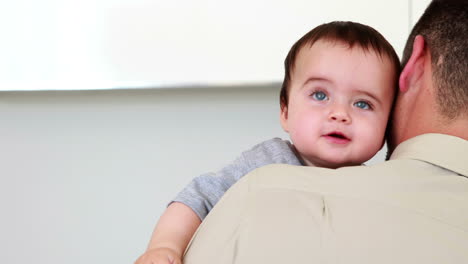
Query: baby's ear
(284, 118)
(414, 67)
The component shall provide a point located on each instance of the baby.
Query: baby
(338, 90)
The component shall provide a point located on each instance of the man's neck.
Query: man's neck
(457, 127)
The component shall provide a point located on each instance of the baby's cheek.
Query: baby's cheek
(303, 132)
(373, 135)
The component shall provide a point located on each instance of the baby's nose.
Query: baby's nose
(340, 116)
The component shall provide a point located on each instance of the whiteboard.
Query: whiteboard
(109, 44)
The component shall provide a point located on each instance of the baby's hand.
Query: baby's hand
(159, 256)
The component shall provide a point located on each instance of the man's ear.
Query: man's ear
(414, 67)
(284, 117)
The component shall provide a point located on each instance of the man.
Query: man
(410, 209)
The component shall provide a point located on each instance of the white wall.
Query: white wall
(85, 175)
(99, 44)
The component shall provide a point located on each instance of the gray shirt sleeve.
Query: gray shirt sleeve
(204, 191)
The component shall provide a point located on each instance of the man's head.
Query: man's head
(433, 95)
(340, 80)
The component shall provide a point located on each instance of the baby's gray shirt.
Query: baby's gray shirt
(204, 191)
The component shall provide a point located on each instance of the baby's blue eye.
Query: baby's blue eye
(363, 105)
(319, 96)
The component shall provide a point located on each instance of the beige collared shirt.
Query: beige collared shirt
(411, 209)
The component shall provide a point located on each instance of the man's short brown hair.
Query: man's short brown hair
(444, 26)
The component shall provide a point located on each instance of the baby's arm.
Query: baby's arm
(204, 191)
(181, 219)
(171, 235)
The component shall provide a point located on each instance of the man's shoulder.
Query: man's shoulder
(324, 180)
(286, 170)
(286, 176)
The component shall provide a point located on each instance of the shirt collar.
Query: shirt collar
(442, 150)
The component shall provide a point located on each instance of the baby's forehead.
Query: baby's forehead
(347, 47)
(328, 61)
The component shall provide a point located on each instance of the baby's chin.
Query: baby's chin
(331, 163)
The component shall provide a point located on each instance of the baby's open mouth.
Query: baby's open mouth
(337, 138)
(337, 135)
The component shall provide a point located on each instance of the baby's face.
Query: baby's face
(339, 104)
